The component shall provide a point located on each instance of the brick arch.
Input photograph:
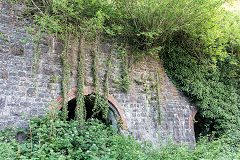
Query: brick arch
(87, 91)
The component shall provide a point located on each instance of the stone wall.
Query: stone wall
(23, 91)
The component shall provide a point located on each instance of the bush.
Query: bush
(56, 139)
(207, 69)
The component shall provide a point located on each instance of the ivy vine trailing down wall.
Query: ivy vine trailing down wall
(80, 108)
(83, 28)
(158, 98)
(66, 76)
(99, 104)
(198, 41)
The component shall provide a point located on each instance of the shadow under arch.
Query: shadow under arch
(112, 116)
(113, 103)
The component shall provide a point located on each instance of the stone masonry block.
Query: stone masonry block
(17, 50)
(2, 102)
(31, 92)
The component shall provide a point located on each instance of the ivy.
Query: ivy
(66, 77)
(36, 57)
(80, 108)
(100, 103)
(106, 83)
(216, 98)
(159, 98)
(96, 108)
(124, 79)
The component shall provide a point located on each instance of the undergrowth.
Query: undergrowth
(209, 76)
(52, 138)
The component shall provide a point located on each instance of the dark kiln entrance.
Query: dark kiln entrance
(203, 126)
(89, 104)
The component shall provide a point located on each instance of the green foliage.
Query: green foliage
(100, 104)
(56, 139)
(205, 66)
(216, 97)
(66, 77)
(217, 149)
(124, 79)
(149, 24)
(143, 24)
(106, 84)
(3, 38)
(207, 70)
(159, 99)
(53, 138)
(36, 58)
(80, 114)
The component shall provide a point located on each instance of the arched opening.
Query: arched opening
(112, 117)
(115, 114)
(203, 126)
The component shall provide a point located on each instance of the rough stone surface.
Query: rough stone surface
(21, 90)
(24, 92)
